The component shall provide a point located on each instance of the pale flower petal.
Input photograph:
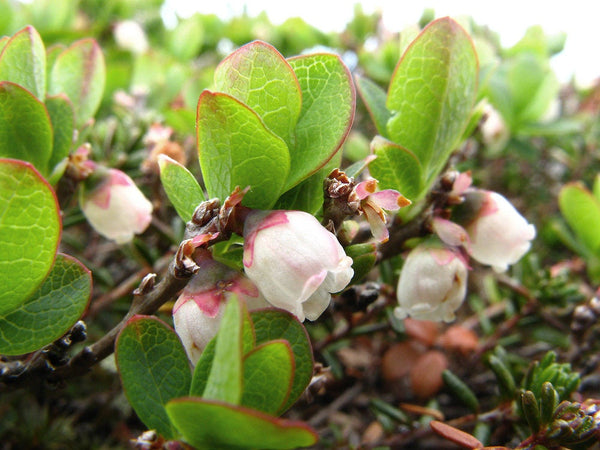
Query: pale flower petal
(291, 257)
(500, 236)
(432, 284)
(116, 208)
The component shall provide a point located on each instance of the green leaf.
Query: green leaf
(154, 369)
(258, 76)
(432, 93)
(237, 150)
(268, 374)
(596, 187)
(50, 312)
(202, 369)
(185, 40)
(181, 187)
(62, 118)
(23, 62)
(274, 324)
(397, 168)
(225, 378)
(30, 229)
(204, 364)
(209, 424)
(581, 210)
(328, 100)
(79, 73)
(374, 98)
(25, 129)
(522, 88)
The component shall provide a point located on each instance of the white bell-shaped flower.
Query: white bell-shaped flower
(294, 261)
(500, 236)
(115, 207)
(198, 311)
(432, 284)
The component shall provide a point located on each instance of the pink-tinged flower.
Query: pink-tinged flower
(500, 236)
(295, 262)
(199, 309)
(116, 208)
(432, 284)
(373, 203)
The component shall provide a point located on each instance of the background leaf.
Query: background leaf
(237, 150)
(268, 374)
(25, 129)
(274, 324)
(209, 424)
(581, 210)
(258, 76)
(30, 229)
(432, 93)
(328, 100)
(62, 118)
(154, 369)
(181, 187)
(23, 61)
(522, 88)
(375, 99)
(50, 312)
(79, 73)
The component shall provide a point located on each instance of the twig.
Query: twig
(336, 405)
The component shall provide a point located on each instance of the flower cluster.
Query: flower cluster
(432, 284)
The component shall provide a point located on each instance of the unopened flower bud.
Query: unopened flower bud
(432, 284)
(115, 207)
(199, 309)
(295, 262)
(500, 236)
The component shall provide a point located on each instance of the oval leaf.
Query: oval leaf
(275, 324)
(25, 129)
(328, 100)
(268, 373)
(181, 187)
(432, 92)
(23, 61)
(237, 150)
(79, 72)
(50, 312)
(209, 424)
(258, 76)
(581, 210)
(154, 369)
(30, 229)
